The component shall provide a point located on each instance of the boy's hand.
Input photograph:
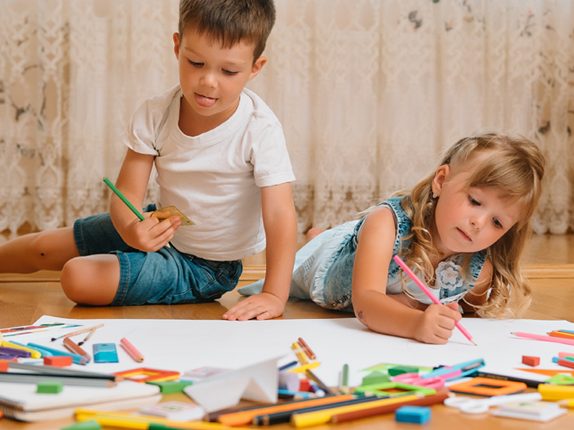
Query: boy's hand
(262, 306)
(437, 322)
(151, 234)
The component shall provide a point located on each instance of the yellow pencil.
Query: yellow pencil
(323, 417)
(567, 403)
(130, 421)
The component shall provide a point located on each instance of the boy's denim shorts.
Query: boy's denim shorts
(163, 277)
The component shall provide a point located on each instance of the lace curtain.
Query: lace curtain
(370, 92)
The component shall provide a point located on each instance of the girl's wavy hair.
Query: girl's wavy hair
(515, 167)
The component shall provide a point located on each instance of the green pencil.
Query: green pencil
(123, 198)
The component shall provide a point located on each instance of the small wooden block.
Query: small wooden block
(530, 360)
(59, 360)
(49, 387)
(413, 414)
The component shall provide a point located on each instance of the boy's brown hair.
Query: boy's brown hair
(229, 21)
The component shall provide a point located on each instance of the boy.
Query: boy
(221, 159)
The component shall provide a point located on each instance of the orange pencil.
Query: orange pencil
(561, 334)
(131, 350)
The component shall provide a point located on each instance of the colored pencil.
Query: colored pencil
(323, 417)
(542, 337)
(61, 371)
(428, 293)
(532, 383)
(245, 416)
(132, 351)
(285, 416)
(34, 378)
(123, 199)
(560, 334)
(386, 409)
(131, 421)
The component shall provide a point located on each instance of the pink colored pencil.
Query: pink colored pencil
(543, 337)
(428, 293)
(131, 350)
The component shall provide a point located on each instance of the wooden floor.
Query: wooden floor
(549, 265)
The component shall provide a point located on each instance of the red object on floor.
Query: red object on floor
(58, 360)
(530, 360)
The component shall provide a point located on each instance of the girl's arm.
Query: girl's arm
(149, 234)
(374, 308)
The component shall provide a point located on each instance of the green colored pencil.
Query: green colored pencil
(123, 199)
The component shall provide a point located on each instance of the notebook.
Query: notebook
(21, 402)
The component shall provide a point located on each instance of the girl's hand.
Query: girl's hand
(437, 322)
(151, 234)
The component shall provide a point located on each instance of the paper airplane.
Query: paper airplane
(258, 382)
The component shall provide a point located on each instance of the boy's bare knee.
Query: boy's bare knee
(72, 280)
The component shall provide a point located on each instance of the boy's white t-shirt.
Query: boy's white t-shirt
(214, 178)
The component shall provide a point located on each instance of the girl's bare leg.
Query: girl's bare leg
(91, 280)
(47, 250)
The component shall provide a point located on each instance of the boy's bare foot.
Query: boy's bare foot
(312, 232)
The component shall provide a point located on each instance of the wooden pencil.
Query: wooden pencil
(386, 409)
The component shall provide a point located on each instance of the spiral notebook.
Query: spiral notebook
(21, 402)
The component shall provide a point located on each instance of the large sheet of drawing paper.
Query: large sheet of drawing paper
(187, 344)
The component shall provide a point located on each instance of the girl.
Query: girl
(463, 229)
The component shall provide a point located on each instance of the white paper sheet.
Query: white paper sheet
(186, 344)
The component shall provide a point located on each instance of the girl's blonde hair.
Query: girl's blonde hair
(513, 165)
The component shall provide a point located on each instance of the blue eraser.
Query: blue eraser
(413, 414)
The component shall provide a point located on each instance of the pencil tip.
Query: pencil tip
(474, 343)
